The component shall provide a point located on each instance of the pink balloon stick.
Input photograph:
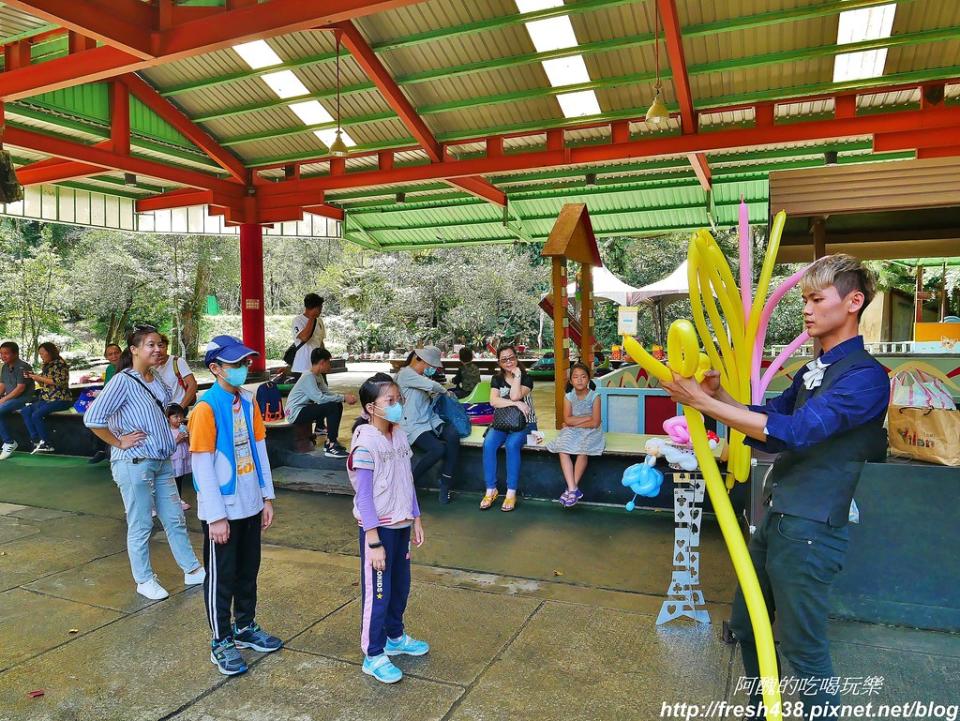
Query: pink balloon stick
(774, 367)
(768, 309)
(746, 260)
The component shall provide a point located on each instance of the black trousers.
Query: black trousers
(231, 583)
(326, 415)
(796, 561)
(446, 446)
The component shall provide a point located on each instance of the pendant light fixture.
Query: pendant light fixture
(338, 148)
(657, 113)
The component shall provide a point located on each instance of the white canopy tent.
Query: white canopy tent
(666, 290)
(607, 285)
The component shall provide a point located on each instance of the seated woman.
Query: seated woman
(468, 376)
(424, 428)
(510, 386)
(53, 382)
(310, 401)
(581, 436)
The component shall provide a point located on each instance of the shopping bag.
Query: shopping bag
(925, 434)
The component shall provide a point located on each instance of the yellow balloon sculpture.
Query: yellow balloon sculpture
(712, 283)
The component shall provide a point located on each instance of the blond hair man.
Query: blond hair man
(824, 427)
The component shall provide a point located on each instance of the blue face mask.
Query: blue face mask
(393, 413)
(429, 371)
(235, 376)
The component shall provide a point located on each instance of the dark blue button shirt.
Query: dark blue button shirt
(859, 396)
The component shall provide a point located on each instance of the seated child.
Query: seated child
(468, 376)
(581, 435)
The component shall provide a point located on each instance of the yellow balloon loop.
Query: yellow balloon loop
(685, 358)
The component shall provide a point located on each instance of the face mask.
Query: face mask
(393, 413)
(235, 376)
(429, 371)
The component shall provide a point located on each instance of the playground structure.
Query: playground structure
(572, 238)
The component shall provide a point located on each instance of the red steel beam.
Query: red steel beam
(93, 155)
(943, 151)
(918, 121)
(908, 141)
(378, 73)
(174, 199)
(123, 24)
(701, 168)
(120, 118)
(681, 82)
(189, 39)
(57, 171)
(183, 125)
(52, 170)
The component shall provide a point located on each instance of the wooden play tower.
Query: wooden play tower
(572, 238)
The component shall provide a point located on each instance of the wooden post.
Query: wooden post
(819, 231)
(943, 293)
(559, 278)
(586, 315)
(918, 297)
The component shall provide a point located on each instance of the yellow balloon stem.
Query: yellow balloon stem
(684, 357)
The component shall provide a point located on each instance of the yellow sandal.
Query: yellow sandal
(488, 500)
(509, 503)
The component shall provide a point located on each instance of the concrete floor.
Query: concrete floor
(539, 614)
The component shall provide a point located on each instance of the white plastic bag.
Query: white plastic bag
(916, 389)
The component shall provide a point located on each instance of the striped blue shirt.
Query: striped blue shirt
(125, 406)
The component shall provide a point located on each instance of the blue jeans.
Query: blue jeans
(796, 561)
(34, 414)
(11, 406)
(144, 486)
(513, 442)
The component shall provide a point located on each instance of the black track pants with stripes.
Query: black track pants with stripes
(231, 582)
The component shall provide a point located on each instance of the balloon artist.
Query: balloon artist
(824, 427)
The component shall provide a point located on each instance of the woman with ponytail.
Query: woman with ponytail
(128, 415)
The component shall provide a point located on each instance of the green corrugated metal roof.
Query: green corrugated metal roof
(471, 69)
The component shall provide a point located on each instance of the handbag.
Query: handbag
(509, 420)
(290, 354)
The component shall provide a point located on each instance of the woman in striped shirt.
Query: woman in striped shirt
(129, 416)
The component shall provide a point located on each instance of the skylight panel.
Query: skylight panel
(257, 54)
(855, 26)
(285, 84)
(566, 71)
(311, 112)
(859, 66)
(866, 24)
(579, 104)
(328, 135)
(552, 33)
(529, 6)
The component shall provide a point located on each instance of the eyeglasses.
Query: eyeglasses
(242, 362)
(508, 358)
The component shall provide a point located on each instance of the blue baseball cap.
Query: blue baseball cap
(226, 349)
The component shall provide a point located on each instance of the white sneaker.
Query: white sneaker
(195, 578)
(152, 590)
(7, 450)
(41, 447)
